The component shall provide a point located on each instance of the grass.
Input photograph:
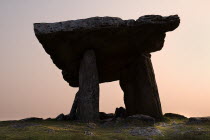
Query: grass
(66, 130)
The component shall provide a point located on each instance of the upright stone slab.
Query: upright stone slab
(72, 114)
(88, 99)
(140, 89)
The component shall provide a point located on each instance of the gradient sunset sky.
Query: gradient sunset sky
(31, 85)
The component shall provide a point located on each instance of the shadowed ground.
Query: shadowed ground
(171, 128)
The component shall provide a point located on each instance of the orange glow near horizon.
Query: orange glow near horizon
(31, 85)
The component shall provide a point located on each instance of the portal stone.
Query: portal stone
(140, 88)
(88, 99)
(72, 115)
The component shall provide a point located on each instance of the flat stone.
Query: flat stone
(116, 42)
(103, 22)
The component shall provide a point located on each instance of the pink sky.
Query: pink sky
(31, 85)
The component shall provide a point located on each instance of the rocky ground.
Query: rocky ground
(133, 128)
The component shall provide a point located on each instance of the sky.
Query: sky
(32, 86)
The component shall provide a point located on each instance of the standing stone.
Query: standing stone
(72, 115)
(88, 99)
(140, 88)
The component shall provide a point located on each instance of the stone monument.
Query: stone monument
(104, 49)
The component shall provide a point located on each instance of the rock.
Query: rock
(118, 131)
(195, 132)
(174, 123)
(162, 124)
(50, 131)
(174, 116)
(119, 120)
(168, 24)
(146, 131)
(68, 127)
(199, 119)
(88, 133)
(176, 126)
(116, 42)
(88, 95)
(32, 119)
(141, 118)
(60, 117)
(108, 123)
(104, 116)
(149, 139)
(120, 112)
(48, 119)
(91, 125)
(140, 89)
(73, 112)
(68, 117)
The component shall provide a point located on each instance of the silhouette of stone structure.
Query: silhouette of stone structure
(104, 49)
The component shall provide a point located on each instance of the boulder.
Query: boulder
(60, 117)
(120, 112)
(175, 116)
(199, 120)
(48, 119)
(104, 116)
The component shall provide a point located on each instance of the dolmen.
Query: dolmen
(105, 49)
